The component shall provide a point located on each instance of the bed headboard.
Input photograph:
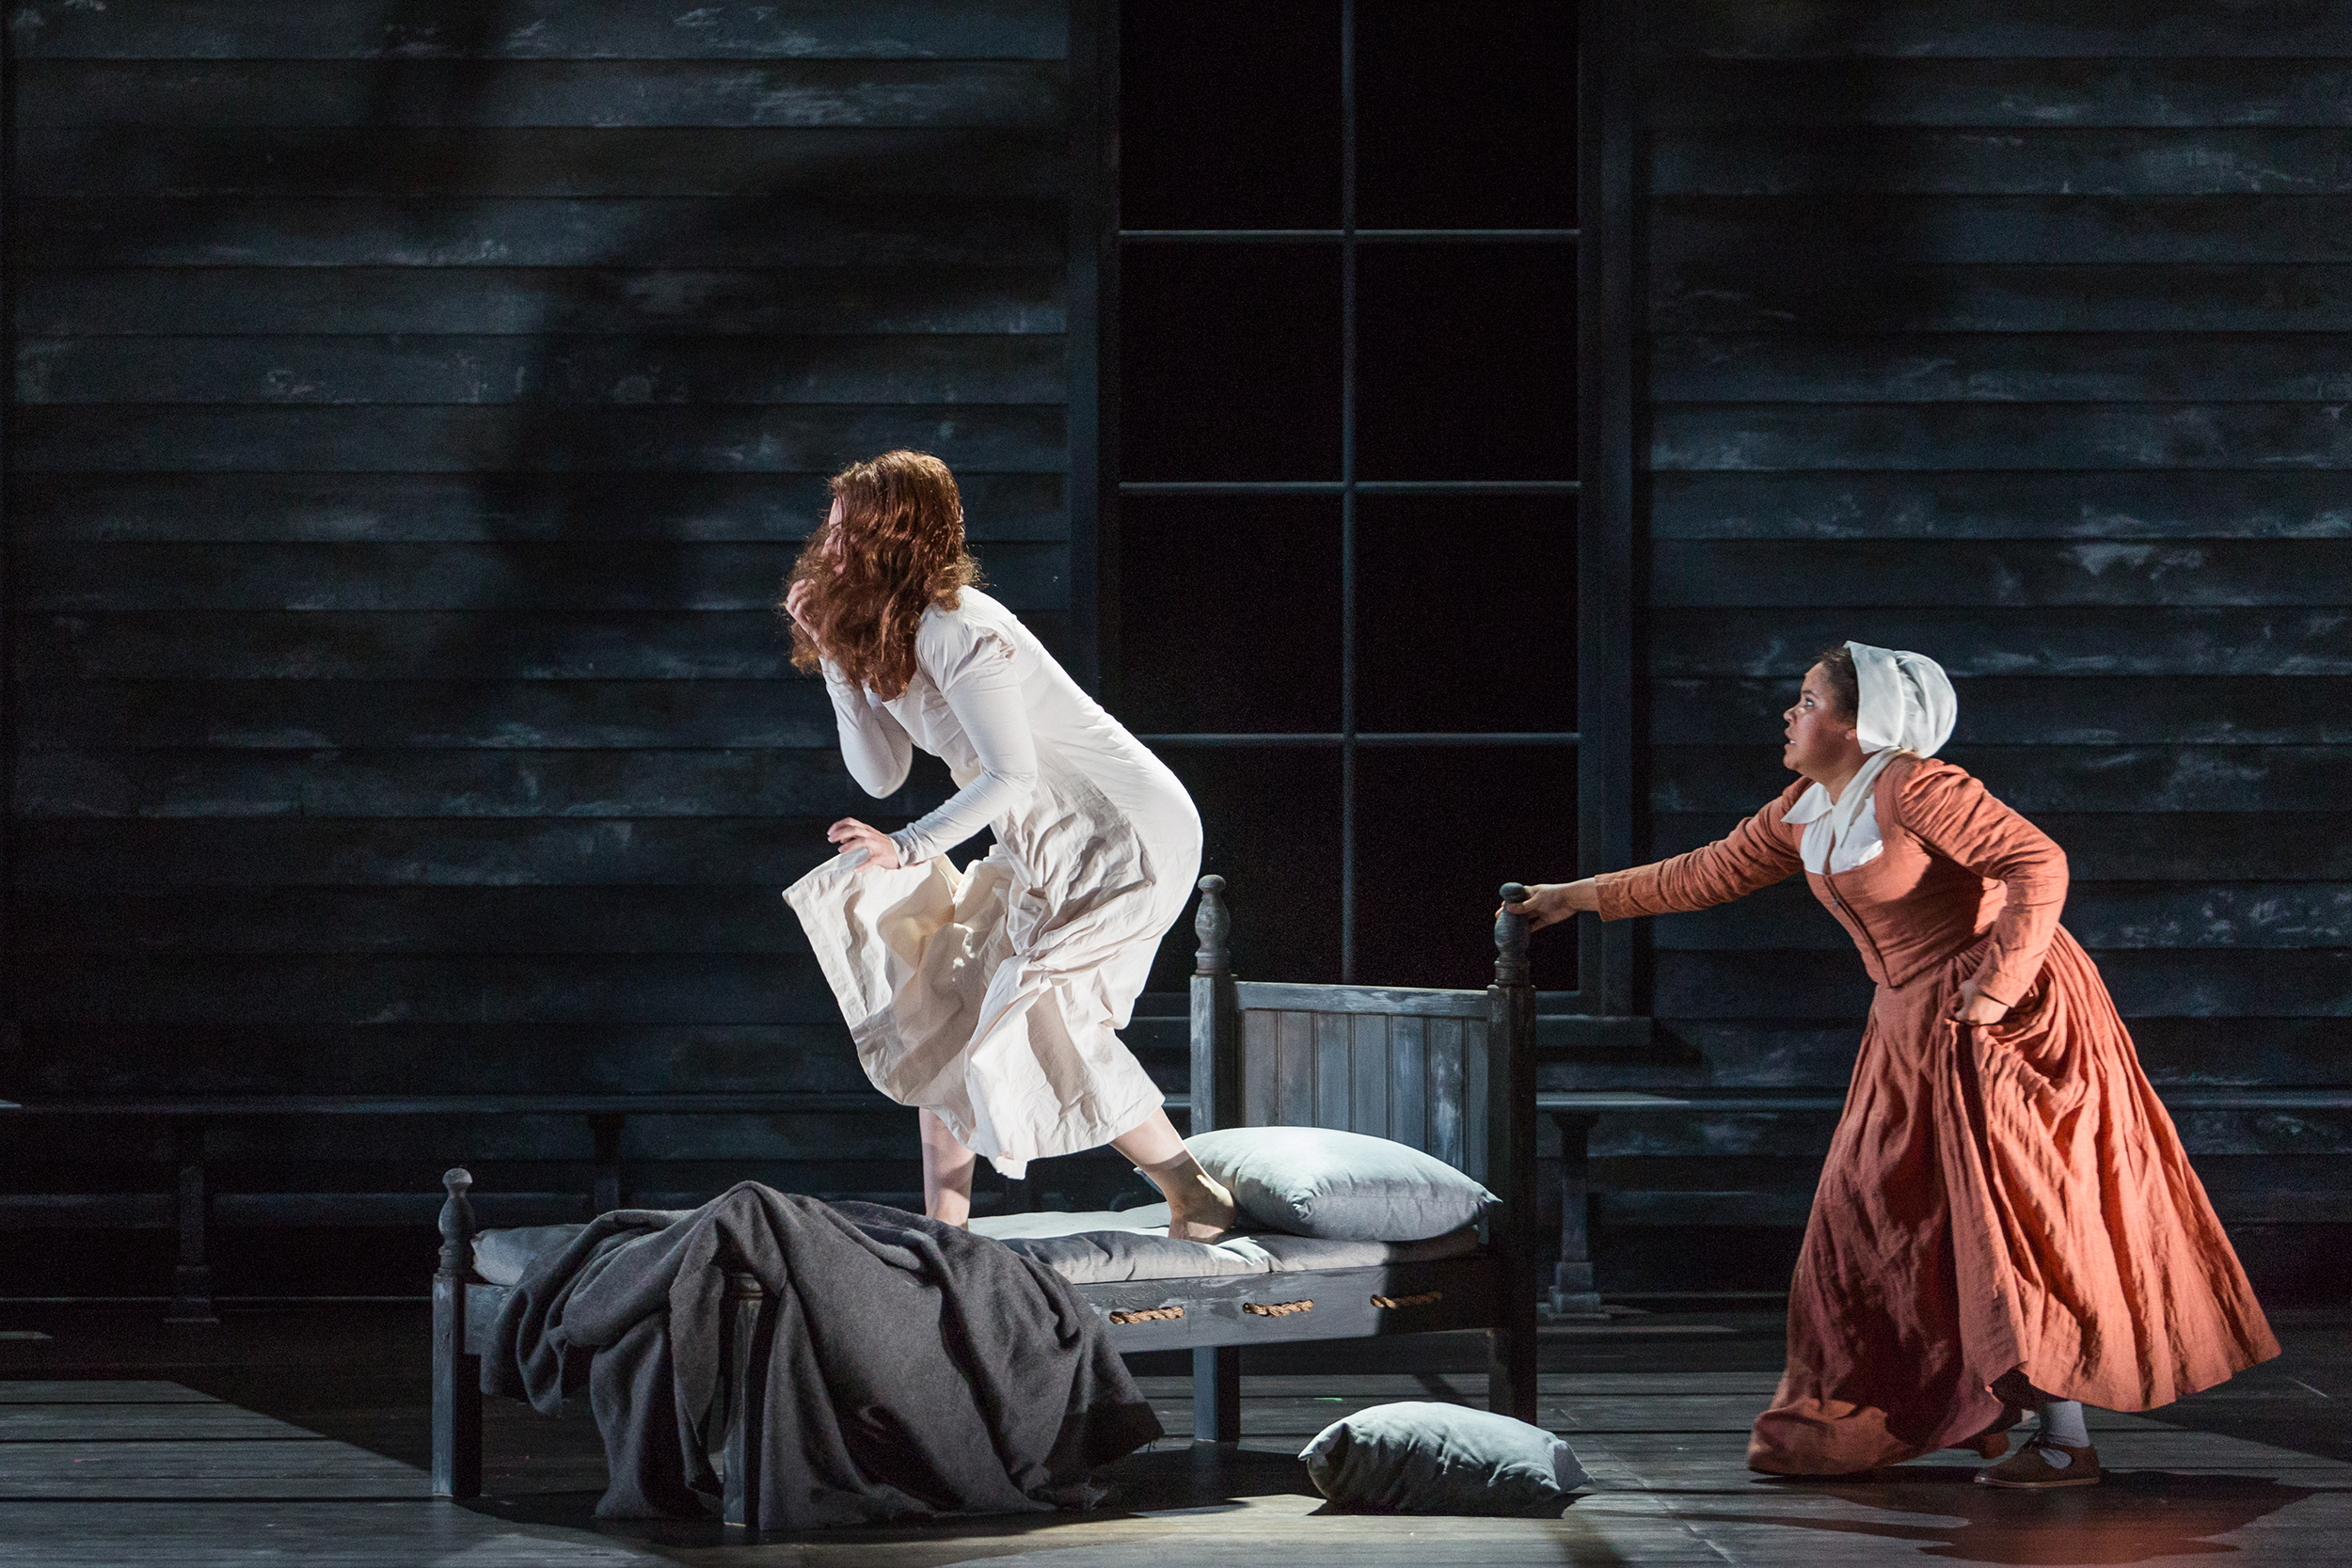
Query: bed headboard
(1450, 1072)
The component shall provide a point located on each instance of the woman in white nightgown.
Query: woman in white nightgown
(986, 997)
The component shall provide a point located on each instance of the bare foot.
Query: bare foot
(1200, 1209)
(1199, 1206)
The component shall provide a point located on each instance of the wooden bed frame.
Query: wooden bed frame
(1450, 1072)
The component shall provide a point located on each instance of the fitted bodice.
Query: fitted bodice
(1957, 868)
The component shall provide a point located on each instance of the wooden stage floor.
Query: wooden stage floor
(122, 1442)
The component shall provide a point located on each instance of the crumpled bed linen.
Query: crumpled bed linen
(915, 1368)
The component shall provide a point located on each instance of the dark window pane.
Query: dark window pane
(1229, 115)
(1464, 117)
(1229, 613)
(1229, 361)
(1467, 612)
(1271, 823)
(1437, 832)
(1467, 361)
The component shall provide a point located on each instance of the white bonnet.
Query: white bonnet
(1906, 700)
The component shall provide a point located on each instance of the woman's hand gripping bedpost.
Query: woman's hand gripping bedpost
(1550, 903)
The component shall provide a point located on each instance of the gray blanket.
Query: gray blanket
(915, 1368)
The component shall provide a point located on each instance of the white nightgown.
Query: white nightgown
(990, 996)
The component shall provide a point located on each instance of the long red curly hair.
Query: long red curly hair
(897, 550)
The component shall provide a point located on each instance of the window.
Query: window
(1355, 482)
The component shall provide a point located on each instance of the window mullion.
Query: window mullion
(1347, 492)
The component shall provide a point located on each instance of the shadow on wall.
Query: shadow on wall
(671, 325)
(623, 375)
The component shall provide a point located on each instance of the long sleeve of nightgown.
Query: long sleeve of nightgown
(984, 694)
(879, 752)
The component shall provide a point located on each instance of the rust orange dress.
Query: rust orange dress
(2009, 1195)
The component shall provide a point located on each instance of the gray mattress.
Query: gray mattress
(1098, 1248)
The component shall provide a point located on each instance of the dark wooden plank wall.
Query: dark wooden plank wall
(417, 405)
(2011, 332)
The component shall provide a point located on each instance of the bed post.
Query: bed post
(1511, 1164)
(456, 1373)
(1216, 1096)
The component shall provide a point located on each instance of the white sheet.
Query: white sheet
(1097, 1248)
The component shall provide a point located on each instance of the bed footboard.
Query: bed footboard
(1449, 1072)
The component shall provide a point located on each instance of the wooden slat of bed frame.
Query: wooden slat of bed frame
(1445, 1090)
(1369, 1072)
(1335, 1075)
(1261, 1055)
(1296, 1040)
(1474, 1101)
(1408, 1080)
(1466, 1289)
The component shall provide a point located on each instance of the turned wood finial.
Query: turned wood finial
(456, 1224)
(1511, 938)
(1215, 925)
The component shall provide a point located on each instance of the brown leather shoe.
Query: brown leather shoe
(2029, 1469)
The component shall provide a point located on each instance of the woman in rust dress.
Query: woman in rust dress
(2006, 1218)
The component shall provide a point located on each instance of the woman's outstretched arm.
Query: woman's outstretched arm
(1756, 854)
(1550, 903)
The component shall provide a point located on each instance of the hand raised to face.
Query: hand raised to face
(796, 603)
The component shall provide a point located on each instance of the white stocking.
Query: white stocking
(2062, 1422)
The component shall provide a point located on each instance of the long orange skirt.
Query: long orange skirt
(2009, 1196)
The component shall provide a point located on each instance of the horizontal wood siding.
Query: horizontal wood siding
(415, 410)
(2009, 332)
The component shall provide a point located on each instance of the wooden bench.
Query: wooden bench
(195, 1207)
(1576, 1112)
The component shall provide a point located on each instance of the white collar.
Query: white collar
(1812, 803)
(1842, 835)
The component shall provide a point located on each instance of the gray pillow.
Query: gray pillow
(1420, 1458)
(1342, 1186)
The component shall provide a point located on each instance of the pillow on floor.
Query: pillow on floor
(1340, 1186)
(1418, 1458)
